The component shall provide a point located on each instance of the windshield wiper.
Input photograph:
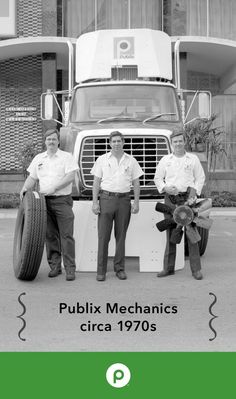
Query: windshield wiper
(118, 117)
(152, 118)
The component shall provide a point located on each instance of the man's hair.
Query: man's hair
(116, 133)
(49, 132)
(176, 133)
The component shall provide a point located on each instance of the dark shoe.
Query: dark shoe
(101, 277)
(70, 275)
(54, 272)
(165, 273)
(121, 275)
(198, 275)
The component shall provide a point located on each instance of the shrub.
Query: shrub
(27, 153)
(223, 199)
(9, 200)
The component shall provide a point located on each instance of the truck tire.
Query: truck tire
(204, 233)
(29, 237)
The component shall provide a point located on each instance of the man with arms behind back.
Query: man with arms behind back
(114, 173)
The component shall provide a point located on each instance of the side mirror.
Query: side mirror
(199, 105)
(204, 105)
(48, 106)
(66, 110)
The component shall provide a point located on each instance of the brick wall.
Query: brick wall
(29, 18)
(20, 86)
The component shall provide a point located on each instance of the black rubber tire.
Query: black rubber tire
(29, 237)
(204, 233)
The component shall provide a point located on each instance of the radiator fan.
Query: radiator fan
(184, 216)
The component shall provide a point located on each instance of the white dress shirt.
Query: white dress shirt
(49, 170)
(181, 172)
(116, 177)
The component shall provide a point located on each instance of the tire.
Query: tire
(204, 233)
(29, 237)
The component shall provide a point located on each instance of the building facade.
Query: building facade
(34, 57)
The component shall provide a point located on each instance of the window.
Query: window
(81, 16)
(124, 101)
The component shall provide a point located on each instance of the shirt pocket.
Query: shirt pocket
(106, 171)
(170, 170)
(126, 171)
(59, 168)
(188, 169)
(42, 170)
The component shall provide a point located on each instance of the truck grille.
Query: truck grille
(147, 150)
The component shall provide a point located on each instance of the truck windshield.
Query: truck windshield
(101, 103)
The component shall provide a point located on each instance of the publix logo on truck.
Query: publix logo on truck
(124, 47)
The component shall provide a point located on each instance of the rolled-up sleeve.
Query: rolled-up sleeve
(70, 164)
(159, 178)
(97, 168)
(32, 168)
(136, 170)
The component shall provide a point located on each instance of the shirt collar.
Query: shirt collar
(45, 154)
(109, 155)
(186, 154)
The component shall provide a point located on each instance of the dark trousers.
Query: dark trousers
(170, 250)
(59, 236)
(112, 209)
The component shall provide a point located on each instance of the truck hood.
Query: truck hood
(117, 125)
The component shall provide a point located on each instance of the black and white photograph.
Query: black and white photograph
(117, 175)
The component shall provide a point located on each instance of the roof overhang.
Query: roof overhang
(211, 56)
(23, 47)
(205, 54)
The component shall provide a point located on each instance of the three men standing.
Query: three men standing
(174, 174)
(114, 173)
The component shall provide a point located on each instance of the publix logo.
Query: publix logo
(118, 375)
(123, 47)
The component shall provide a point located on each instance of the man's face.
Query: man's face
(178, 144)
(52, 142)
(116, 143)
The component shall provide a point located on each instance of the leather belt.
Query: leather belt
(56, 196)
(112, 194)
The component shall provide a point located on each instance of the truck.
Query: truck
(124, 80)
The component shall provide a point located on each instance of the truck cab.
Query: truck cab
(123, 82)
(145, 112)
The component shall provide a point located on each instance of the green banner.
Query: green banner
(117, 375)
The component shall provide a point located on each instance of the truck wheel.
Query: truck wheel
(204, 233)
(29, 237)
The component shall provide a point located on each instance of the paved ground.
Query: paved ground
(187, 330)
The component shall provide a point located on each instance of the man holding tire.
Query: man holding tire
(174, 174)
(55, 171)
